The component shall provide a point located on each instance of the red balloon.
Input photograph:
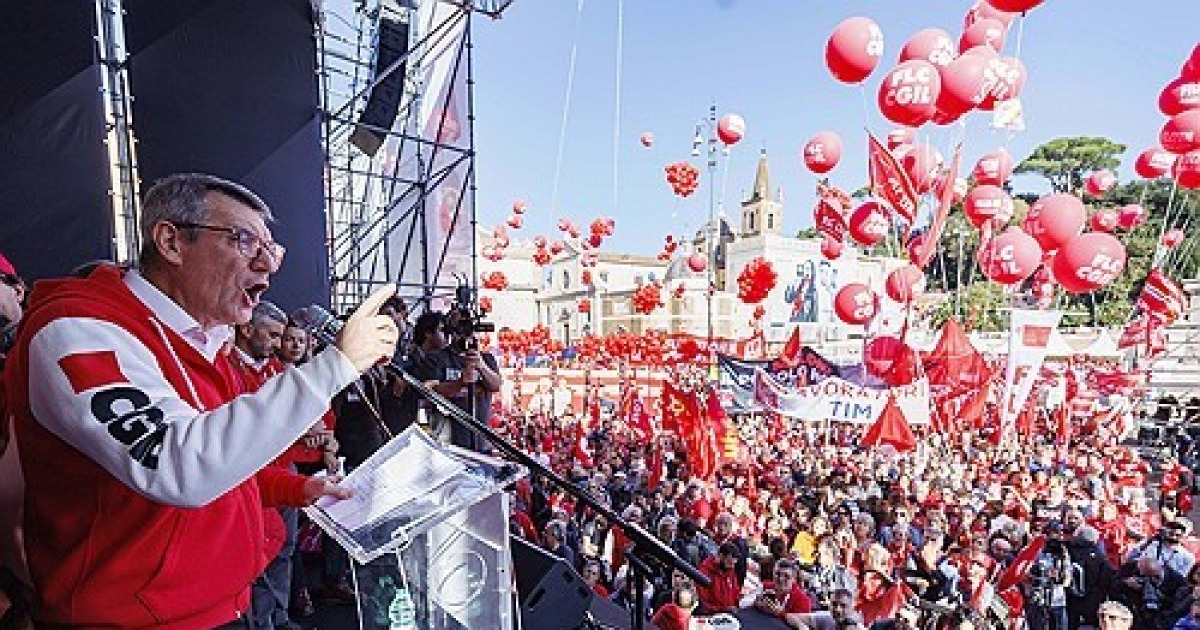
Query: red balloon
(908, 93)
(1187, 170)
(515, 221)
(1014, 6)
(1100, 182)
(731, 128)
(891, 360)
(697, 263)
(1104, 221)
(963, 82)
(1179, 95)
(869, 223)
(519, 207)
(985, 32)
(1154, 163)
(931, 44)
(981, 10)
(647, 139)
(854, 49)
(994, 168)
(539, 242)
(1004, 78)
(1172, 238)
(1131, 216)
(1055, 219)
(905, 283)
(988, 203)
(923, 165)
(1191, 67)
(1088, 262)
(1182, 132)
(855, 304)
(1010, 257)
(831, 248)
(900, 136)
(822, 152)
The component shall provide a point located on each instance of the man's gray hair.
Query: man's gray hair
(1117, 608)
(1088, 533)
(179, 198)
(267, 311)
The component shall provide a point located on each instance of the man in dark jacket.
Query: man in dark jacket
(1092, 581)
(1154, 592)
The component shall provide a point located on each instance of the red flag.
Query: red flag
(891, 428)
(580, 450)
(1064, 425)
(1016, 572)
(790, 356)
(890, 181)
(929, 244)
(655, 465)
(728, 440)
(638, 419)
(973, 412)
(829, 220)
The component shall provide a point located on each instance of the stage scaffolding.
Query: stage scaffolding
(399, 206)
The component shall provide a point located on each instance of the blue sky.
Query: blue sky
(1095, 68)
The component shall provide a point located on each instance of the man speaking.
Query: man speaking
(145, 476)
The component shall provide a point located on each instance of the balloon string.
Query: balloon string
(1020, 36)
(562, 133)
(617, 104)
(1159, 249)
(862, 91)
(725, 183)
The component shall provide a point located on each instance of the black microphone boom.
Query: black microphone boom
(323, 326)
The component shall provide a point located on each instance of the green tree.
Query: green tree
(1065, 161)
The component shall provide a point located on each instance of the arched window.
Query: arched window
(566, 280)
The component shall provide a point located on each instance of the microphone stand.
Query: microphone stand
(645, 546)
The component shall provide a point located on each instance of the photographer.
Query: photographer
(1154, 592)
(1049, 577)
(1167, 547)
(449, 356)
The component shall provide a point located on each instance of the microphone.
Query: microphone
(319, 323)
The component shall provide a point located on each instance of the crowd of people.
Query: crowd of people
(184, 415)
(821, 533)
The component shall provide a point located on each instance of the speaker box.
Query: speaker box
(551, 593)
(383, 103)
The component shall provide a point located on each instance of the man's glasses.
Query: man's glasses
(249, 244)
(1117, 616)
(10, 280)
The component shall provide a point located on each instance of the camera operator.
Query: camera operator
(1049, 577)
(450, 356)
(1167, 547)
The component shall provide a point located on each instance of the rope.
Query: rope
(617, 105)
(562, 133)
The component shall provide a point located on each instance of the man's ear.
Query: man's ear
(168, 240)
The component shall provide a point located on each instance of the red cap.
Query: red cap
(7, 267)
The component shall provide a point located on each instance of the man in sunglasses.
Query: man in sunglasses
(146, 473)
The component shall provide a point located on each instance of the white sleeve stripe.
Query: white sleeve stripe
(201, 455)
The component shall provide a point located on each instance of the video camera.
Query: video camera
(465, 319)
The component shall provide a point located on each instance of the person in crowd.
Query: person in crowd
(723, 594)
(1114, 616)
(692, 544)
(1153, 591)
(784, 595)
(677, 614)
(466, 376)
(254, 361)
(723, 531)
(1167, 547)
(554, 540)
(1093, 580)
(14, 576)
(1046, 589)
(1191, 620)
(593, 576)
(120, 380)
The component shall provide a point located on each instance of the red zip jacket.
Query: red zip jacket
(142, 503)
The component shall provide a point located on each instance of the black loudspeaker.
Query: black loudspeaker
(384, 101)
(551, 593)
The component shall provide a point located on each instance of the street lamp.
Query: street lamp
(712, 232)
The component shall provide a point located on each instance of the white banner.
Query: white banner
(837, 400)
(1028, 339)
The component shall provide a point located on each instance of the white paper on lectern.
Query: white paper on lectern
(381, 485)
